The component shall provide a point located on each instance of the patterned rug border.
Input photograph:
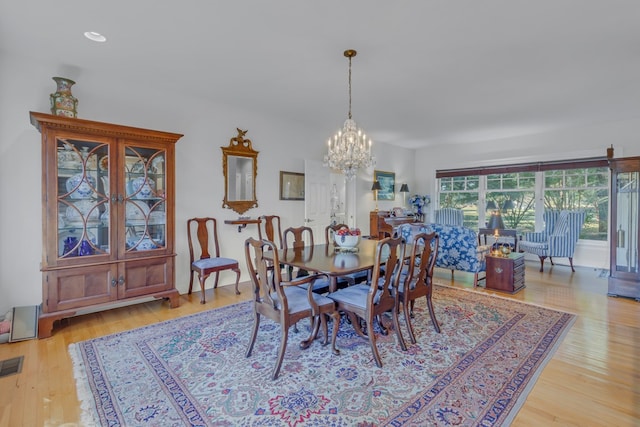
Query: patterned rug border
(88, 402)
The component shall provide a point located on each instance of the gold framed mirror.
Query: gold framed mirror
(240, 168)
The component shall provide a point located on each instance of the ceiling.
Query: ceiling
(427, 72)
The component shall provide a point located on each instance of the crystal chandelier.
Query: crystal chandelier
(349, 149)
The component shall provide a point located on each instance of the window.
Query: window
(513, 194)
(461, 192)
(586, 189)
(519, 191)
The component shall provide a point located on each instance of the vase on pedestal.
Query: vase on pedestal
(63, 103)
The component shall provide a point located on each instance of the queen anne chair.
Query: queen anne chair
(205, 233)
(417, 279)
(449, 216)
(285, 302)
(562, 231)
(371, 301)
(295, 239)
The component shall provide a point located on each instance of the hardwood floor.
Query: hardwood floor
(592, 380)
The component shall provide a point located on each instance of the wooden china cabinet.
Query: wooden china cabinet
(108, 216)
(624, 272)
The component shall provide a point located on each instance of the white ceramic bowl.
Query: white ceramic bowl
(346, 241)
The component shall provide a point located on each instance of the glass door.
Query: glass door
(626, 251)
(145, 201)
(83, 221)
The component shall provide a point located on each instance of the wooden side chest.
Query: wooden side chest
(506, 273)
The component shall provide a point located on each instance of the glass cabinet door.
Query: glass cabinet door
(626, 238)
(145, 201)
(82, 198)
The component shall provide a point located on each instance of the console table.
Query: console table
(505, 273)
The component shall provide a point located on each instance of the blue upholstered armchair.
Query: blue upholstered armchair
(449, 216)
(458, 247)
(559, 238)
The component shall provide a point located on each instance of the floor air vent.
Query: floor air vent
(11, 366)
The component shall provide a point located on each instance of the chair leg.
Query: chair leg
(283, 348)
(336, 325)
(571, 263)
(372, 342)
(191, 282)
(432, 313)
(202, 280)
(407, 319)
(396, 324)
(254, 333)
(237, 270)
(215, 284)
(542, 263)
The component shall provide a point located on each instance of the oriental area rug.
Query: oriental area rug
(192, 371)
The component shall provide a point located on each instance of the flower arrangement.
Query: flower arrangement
(419, 202)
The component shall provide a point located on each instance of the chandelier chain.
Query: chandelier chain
(349, 87)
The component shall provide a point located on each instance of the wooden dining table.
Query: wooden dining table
(330, 259)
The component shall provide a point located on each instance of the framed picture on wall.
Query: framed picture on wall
(387, 182)
(291, 185)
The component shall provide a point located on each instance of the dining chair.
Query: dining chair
(418, 280)
(270, 229)
(205, 232)
(285, 302)
(296, 238)
(371, 301)
(348, 279)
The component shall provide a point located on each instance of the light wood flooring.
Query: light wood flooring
(592, 380)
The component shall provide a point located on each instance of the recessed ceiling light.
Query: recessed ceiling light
(96, 37)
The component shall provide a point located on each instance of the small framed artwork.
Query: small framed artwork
(387, 182)
(291, 186)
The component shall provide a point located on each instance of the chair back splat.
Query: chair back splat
(297, 238)
(204, 232)
(285, 303)
(270, 229)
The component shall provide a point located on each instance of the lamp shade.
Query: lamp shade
(404, 188)
(495, 222)
(491, 205)
(508, 204)
(376, 186)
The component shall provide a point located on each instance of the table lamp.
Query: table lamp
(404, 189)
(375, 187)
